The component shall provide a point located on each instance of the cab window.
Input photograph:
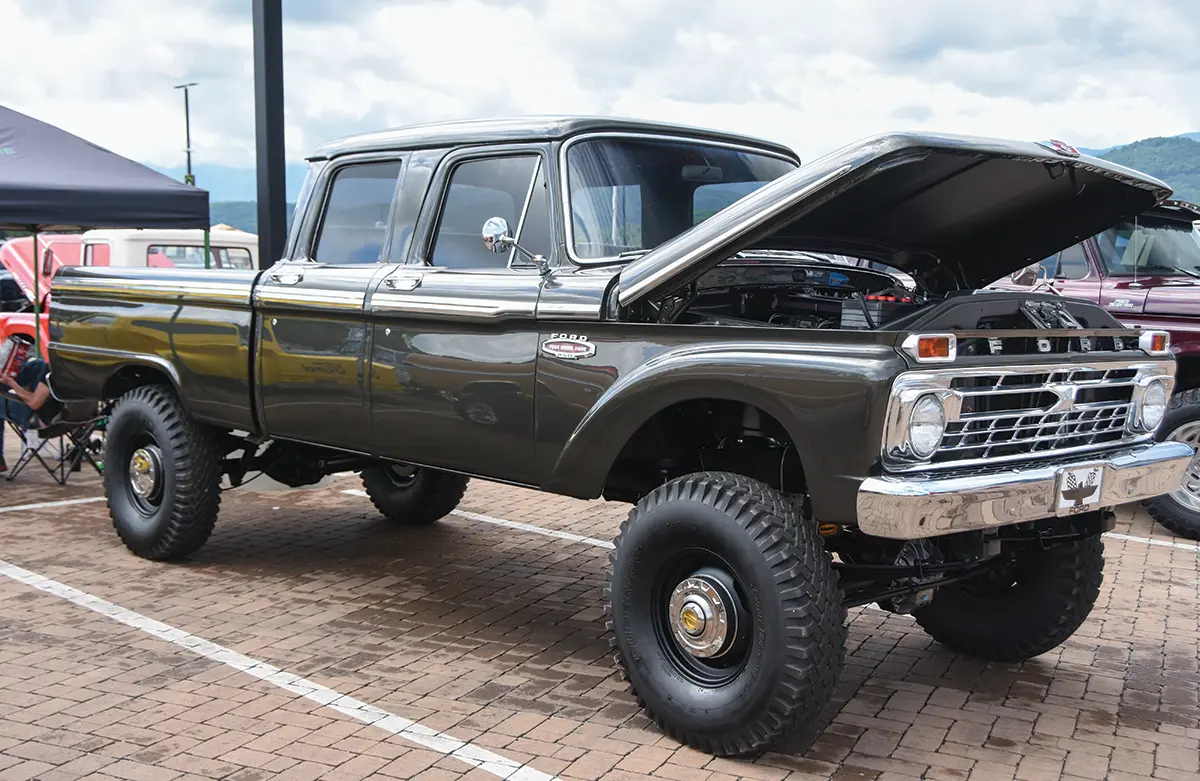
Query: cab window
(354, 225)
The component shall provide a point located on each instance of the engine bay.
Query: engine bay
(816, 294)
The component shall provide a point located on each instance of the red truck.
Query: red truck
(1146, 273)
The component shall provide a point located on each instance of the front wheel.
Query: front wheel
(162, 475)
(1030, 603)
(725, 613)
(413, 496)
(1179, 511)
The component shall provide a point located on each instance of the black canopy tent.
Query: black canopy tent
(52, 180)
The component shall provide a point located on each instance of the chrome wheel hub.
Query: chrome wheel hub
(145, 471)
(701, 616)
(1188, 494)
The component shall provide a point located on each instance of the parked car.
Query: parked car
(595, 307)
(1145, 271)
(161, 248)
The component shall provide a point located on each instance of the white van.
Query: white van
(158, 248)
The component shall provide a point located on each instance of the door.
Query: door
(312, 313)
(455, 339)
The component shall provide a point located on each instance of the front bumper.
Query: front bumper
(911, 507)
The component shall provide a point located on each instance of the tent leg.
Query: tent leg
(37, 295)
(207, 249)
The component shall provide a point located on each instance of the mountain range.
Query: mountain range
(233, 190)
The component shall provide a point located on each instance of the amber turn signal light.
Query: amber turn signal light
(931, 348)
(1155, 342)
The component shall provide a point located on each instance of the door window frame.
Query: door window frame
(425, 232)
(314, 219)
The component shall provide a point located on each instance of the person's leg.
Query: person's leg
(19, 414)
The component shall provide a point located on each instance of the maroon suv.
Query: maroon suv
(1147, 274)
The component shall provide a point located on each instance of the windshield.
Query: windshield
(1151, 246)
(632, 194)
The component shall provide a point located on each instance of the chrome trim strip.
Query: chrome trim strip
(145, 289)
(565, 195)
(918, 507)
(428, 304)
(283, 295)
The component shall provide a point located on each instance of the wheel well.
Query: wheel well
(1187, 372)
(129, 377)
(700, 435)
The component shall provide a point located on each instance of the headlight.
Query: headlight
(926, 425)
(1154, 405)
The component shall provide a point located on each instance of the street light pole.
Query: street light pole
(187, 123)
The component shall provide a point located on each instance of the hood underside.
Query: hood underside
(956, 212)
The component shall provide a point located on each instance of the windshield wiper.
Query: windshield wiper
(637, 253)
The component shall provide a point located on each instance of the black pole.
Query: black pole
(268, 130)
(187, 125)
(187, 129)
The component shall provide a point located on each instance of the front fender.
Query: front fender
(830, 397)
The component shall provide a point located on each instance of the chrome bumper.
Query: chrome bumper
(911, 507)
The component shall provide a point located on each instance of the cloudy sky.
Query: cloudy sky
(812, 73)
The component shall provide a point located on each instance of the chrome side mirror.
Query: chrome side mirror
(496, 236)
(497, 239)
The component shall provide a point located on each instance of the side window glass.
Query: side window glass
(355, 222)
(1072, 263)
(479, 190)
(535, 225)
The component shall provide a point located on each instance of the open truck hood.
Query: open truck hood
(978, 208)
(17, 256)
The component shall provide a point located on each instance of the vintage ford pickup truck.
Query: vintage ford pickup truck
(648, 313)
(1146, 272)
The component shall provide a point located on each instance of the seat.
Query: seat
(63, 445)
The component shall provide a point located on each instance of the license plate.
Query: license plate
(1078, 489)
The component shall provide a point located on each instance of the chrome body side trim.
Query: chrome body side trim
(915, 507)
(208, 291)
(451, 306)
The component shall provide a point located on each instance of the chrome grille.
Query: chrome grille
(1026, 414)
(1022, 413)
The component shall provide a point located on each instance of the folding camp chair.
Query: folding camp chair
(65, 444)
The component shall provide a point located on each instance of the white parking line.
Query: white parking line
(525, 527)
(43, 505)
(468, 753)
(1159, 543)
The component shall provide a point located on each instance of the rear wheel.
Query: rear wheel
(162, 475)
(1179, 511)
(1030, 603)
(725, 613)
(413, 495)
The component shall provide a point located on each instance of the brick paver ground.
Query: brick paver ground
(495, 636)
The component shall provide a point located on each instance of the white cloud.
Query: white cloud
(814, 74)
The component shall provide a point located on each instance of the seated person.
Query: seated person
(28, 402)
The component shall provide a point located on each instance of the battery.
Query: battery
(879, 308)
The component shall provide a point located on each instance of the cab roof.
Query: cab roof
(523, 129)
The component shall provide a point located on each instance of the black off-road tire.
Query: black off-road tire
(795, 648)
(182, 518)
(1046, 597)
(1183, 408)
(427, 496)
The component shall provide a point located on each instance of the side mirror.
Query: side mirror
(496, 236)
(1026, 276)
(497, 239)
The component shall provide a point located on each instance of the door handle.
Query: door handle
(287, 277)
(402, 282)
